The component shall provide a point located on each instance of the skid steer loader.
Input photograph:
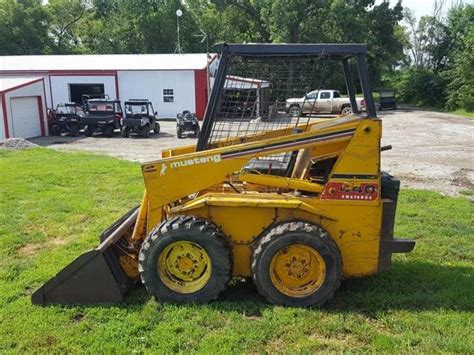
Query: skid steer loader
(295, 203)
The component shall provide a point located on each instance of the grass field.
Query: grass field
(53, 206)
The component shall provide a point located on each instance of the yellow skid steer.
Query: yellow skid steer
(295, 203)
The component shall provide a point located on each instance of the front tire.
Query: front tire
(179, 133)
(297, 264)
(157, 128)
(109, 131)
(89, 131)
(185, 259)
(74, 130)
(146, 131)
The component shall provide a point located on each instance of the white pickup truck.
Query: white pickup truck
(322, 101)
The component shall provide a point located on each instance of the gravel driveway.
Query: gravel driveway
(430, 150)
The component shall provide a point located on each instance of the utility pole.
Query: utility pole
(178, 49)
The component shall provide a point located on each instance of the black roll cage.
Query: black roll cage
(329, 51)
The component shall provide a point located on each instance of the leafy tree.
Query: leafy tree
(460, 75)
(64, 16)
(23, 27)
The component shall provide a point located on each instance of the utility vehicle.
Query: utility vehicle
(140, 118)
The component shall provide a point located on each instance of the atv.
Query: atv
(140, 118)
(187, 122)
(102, 115)
(66, 118)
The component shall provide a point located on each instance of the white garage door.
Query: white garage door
(25, 117)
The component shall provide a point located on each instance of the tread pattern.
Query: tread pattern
(284, 229)
(189, 223)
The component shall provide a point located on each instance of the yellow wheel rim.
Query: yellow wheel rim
(297, 270)
(184, 267)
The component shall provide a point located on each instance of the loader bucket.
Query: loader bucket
(94, 277)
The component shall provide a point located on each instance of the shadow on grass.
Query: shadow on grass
(413, 286)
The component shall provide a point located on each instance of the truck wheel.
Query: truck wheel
(74, 130)
(196, 133)
(55, 131)
(146, 131)
(179, 133)
(109, 131)
(295, 111)
(346, 110)
(89, 131)
(185, 259)
(297, 264)
(157, 128)
(125, 132)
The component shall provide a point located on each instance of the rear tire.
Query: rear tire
(297, 264)
(125, 132)
(185, 259)
(179, 133)
(55, 131)
(295, 111)
(346, 110)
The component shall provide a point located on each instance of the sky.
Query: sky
(422, 7)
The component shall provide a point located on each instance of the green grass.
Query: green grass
(464, 113)
(53, 205)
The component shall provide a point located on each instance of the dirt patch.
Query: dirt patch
(31, 249)
(431, 150)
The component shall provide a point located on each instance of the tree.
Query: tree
(64, 16)
(461, 60)
(23, 27)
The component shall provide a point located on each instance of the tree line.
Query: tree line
(429, 61)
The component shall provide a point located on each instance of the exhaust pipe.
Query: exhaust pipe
(94, 277)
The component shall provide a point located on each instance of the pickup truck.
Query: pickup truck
(322, 101)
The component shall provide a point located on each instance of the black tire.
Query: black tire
(295, 110)
(89, 131)
(109, 131)
(157, 128)
(146, 131)
(346, 110)
(196, 133)
(74, 130)
(196, 230)
(179, 133)
(282, 236)
(125, 132)
(55, 131)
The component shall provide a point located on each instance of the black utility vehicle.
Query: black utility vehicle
(187, 122)
(66, 118)
(387, 99)
(102, 115)
(140, 118)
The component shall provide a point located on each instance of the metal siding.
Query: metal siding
(2, 133)
(60, 85)
(32, 90)
(150, 84)
(25, 117)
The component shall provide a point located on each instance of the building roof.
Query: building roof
(7, 84)
(104, 62)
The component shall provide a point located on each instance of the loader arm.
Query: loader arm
(169, 179)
